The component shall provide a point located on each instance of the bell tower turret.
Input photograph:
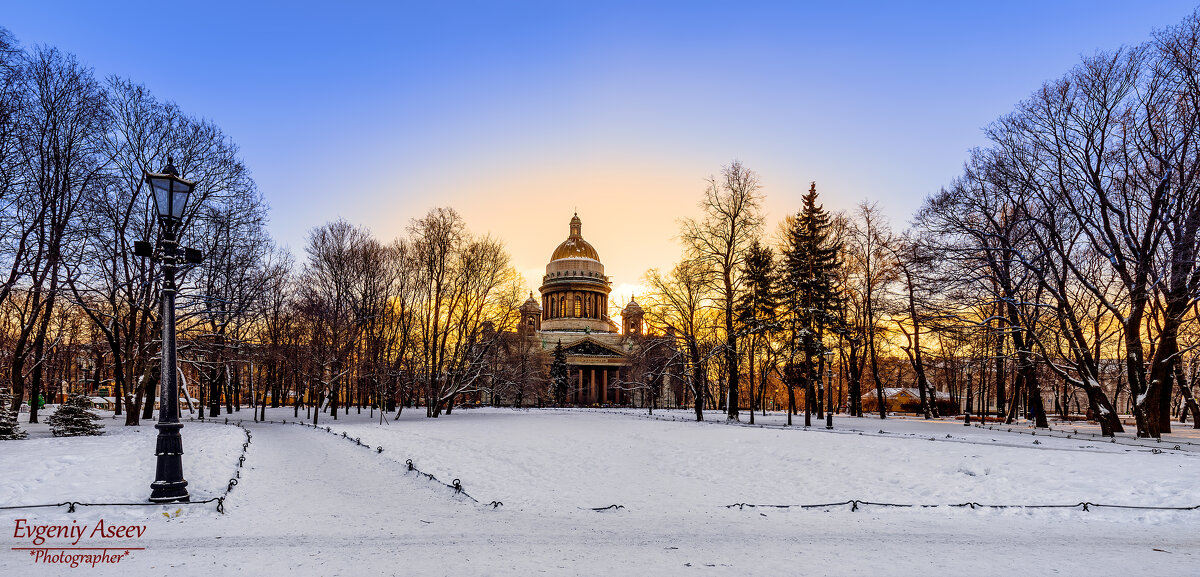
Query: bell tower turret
(531, 317)
(631, 318)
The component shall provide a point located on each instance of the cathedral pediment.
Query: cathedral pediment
(591, 348)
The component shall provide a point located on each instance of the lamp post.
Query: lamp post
(967, 417)
(829, 389)
(170, 194)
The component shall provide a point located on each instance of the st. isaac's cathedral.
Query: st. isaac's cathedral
(573, 312)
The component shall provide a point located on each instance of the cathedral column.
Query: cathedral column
(604, 384)
(579, 394)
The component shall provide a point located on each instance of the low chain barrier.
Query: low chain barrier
(1163, 446)
(219, 500)
(237, 473)
(608, 508)
(1075, 435)
(856, 503)
(455, 485)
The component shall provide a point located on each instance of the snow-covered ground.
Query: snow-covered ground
(313, 503)
(115, 467)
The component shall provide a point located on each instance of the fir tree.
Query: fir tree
(756, 306)
(811, 260)
(73, 419)
(558, 374)
(756, 309)
(9, 429)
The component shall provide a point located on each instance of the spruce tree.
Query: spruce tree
(73, 419)
(811, 261)
(756, 309)
(9, 429)
(756, 306)
(558, 374)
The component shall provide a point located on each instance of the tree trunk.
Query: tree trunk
(1033, 392)
(151, 379)
(39, 359)
(1000, 373)
(699, 377)
(232, 387)
(216, 375)
(750, 367)
(1190, 401)
(879, 392)
(854, 370)
(731, 353)
(791, 402)
(809, 405)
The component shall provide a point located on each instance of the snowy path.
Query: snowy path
(311, 503)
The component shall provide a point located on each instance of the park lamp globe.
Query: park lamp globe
(170, 193)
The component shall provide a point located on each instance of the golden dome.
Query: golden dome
(575, 246)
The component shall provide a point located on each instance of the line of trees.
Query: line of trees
(418, 321)
(1062, 262)
(73, 298)
(1080, 223)
(358, 322)
(1058, 273)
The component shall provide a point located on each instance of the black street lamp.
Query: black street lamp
(829, 389)
(170, 194)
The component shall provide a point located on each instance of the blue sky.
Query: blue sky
(519, 113)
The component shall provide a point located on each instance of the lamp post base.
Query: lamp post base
(169, 486)
(169, 492)
(828, 420)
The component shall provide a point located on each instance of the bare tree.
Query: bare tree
(871, 269)
(340, 258)
(60, 124)
(719, 241)
(677, 306)
(911, 260)
(464, 283)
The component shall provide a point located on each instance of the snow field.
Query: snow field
(571, 459)
(313, 503)
(116, 467)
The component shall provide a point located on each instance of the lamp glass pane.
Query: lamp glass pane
(161, 187)
(181, 198)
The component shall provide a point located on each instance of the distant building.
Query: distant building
(908, 400)
(573, 312)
